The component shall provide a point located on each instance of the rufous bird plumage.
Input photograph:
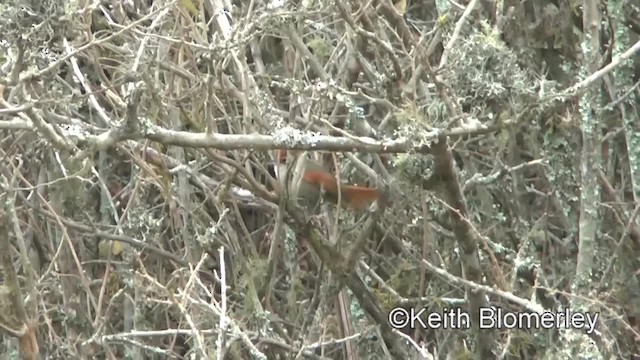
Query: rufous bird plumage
(316, 181)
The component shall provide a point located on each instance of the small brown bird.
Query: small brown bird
(317, 182)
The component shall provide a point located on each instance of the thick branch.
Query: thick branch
(446, 173)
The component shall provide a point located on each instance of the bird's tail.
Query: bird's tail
(355, 197)
(359, 197)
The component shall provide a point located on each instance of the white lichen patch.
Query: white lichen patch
(288, 136)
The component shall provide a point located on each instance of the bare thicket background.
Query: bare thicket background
(139, 218)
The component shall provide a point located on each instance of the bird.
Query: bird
(316, 183)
